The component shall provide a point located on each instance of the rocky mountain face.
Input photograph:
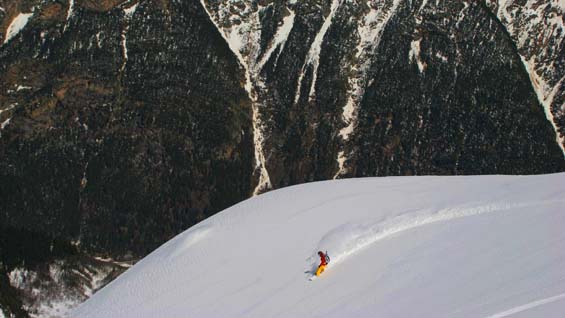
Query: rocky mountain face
(538, 30)
(125, 122)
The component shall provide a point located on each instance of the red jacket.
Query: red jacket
(322, 259)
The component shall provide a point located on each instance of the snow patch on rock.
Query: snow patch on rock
(533, 25)
(278, 43)
(414, 55)
(22, 87)
(128, 14)
(313, 56)
(57, 291)
(12, 106)
(370, 30)
(70, 10)
(545, 94)
(16, 26)
(243, 38)
(5, 123)
(130, 11)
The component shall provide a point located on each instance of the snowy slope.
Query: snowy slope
(489, 246)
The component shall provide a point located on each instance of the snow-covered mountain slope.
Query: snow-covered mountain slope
(489, 246)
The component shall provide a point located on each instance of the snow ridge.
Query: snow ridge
(370, 31)
(17, 25)
(349, 238)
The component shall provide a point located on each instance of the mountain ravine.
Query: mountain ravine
(125, 122)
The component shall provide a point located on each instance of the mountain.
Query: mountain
(538, 30)
(125, 122)
(488, 246)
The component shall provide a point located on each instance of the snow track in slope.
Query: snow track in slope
(349, 238)
(528, 306)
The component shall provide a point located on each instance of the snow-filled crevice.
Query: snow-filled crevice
(313, 56)
(414, 55)
(12, 106)
(128, 14)
(370, 30)
(70, 10)
(278, 43)
(241, 38)
(17, 24)
(5, 123)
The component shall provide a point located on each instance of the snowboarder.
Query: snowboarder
(324, 261)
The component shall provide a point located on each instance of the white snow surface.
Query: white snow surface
(488, 246)
(16, 26)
